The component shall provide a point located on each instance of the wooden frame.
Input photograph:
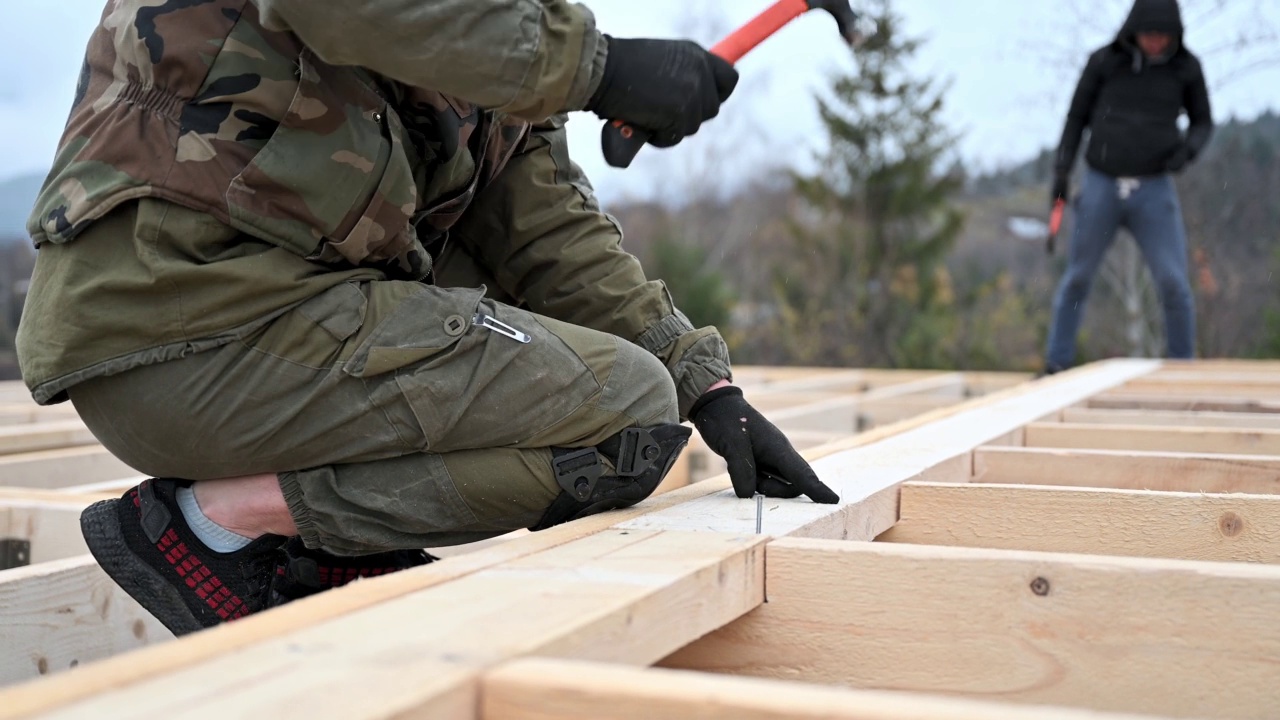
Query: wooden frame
(1106, 575)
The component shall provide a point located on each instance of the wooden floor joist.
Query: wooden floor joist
(57, 615)
(1165, 637)
(1159, 418)
(62, 467)
(1234, 441)
(1137, 523)
(1011, 579)
(43, 436)
(541, 689)
(1128, 470)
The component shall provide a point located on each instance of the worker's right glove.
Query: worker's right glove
(1060, 188)
(760, 457)
(667, 87)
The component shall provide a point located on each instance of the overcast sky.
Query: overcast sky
(1005, 98)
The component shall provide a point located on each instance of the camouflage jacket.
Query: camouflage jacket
(307, 126)
(202, 105)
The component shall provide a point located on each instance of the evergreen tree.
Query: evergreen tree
(700, 292)
(867, 284)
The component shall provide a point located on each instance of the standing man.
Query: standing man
(1130, 97)
(327, 271)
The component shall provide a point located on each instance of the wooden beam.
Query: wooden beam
(1125, 470)
(29, 412)
(867, 477)
(542, 689)
(114, 488)
(1139, 523)
(1168, 637)
(52, 528)
(62, 467)
(613, 597)
(1132, 401)
(1167, 418)
(57, 615)
(44, 436)
(824, 412)
(1232, 441)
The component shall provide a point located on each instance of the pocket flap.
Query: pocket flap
(421, 325)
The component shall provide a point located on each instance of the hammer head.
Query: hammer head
(853, 27)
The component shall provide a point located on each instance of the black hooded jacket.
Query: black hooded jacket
(1131, 103)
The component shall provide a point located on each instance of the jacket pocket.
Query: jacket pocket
(333, 182)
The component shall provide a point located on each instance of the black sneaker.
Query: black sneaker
(146, 546)
(306, 572)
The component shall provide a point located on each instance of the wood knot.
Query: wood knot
(1040, 586)
(139, 629)
(1230, 524)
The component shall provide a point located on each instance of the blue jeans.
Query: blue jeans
(1152, 213)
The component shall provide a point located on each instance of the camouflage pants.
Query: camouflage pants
(393, 420)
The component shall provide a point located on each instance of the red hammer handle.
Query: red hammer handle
(1055, 222)
(621, 142)
(745, 38)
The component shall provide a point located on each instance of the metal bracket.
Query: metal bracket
(14, 553)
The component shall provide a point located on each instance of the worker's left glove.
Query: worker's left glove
(760, 457)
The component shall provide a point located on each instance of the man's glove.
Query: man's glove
(1060, 188)
(760, 457)
(1178, 160)
(667, 87)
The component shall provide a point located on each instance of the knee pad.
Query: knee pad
(641, 458)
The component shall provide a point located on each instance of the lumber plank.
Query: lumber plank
(109, 488)
(44, 436)
(1136, 401)
(1117, 634)
(13, 391)
(64, 613)
(867, 477)
(613, 597)
(53, 529)
(1166, 418)
(825, 412)
(28, 413)
(546, 689)
(1233, 441)
(1139, 523)
(62, 467)
(1255, 387)
(1128, 470)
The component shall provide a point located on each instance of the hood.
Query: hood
(1153, 16)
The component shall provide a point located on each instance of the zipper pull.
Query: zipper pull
(496, 325)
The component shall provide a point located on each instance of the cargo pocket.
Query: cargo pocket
(318, 333)
(316, 178)
(423, 325)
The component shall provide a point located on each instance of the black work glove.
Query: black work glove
(667, 87)
(1060, 188)
(1178, 160)
(760, 457)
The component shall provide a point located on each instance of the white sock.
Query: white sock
(218, 538)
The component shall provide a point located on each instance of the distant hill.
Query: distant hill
(17, 195)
